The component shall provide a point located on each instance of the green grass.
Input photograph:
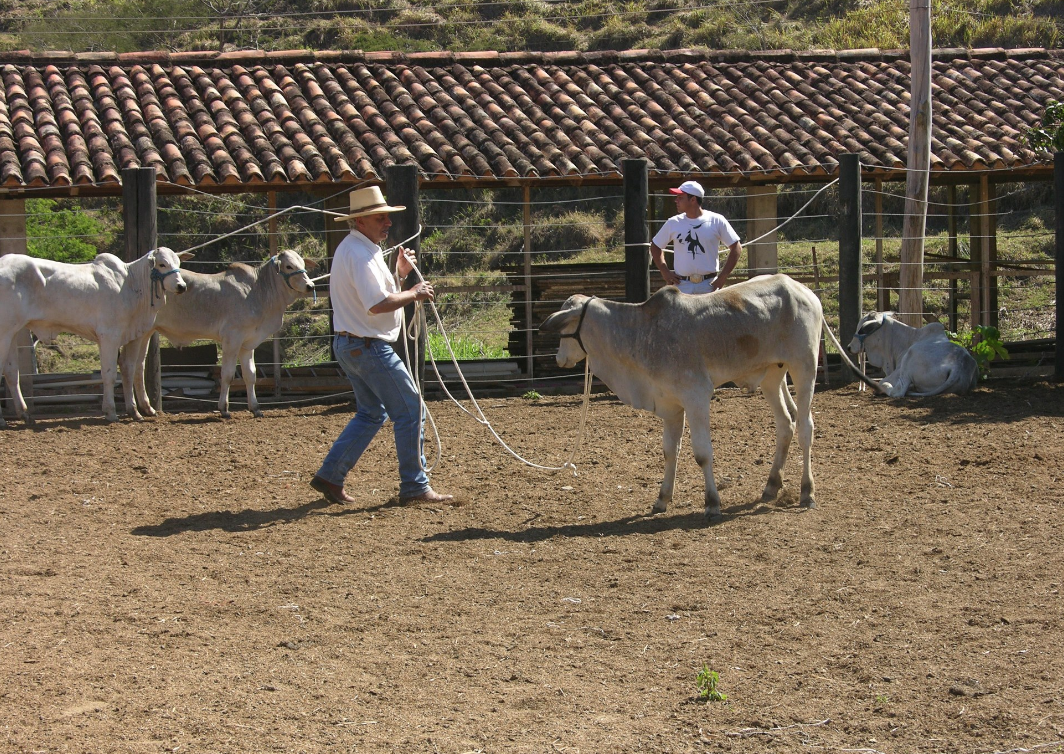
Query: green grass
(463, 347)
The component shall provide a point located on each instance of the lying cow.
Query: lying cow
(105, 300)
(239, 308)
(922, 360)
(668, 354)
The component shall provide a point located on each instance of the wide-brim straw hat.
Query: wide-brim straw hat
(368, 201)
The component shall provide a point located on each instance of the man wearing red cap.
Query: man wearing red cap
(696, 236)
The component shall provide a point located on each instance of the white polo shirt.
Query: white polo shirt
(360, 279)
(696, 243)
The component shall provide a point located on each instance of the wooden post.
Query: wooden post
(636, 231)
(530, 335)
(882, 291)
(271, 229)
(13, 241)
(990, 201)
(141, 236)
(1058, 198)
(981, 252)
(911, 277)
(335, 232)
(953, 251)
(850, 284)
(761, 211)
(823, 355)
(401, 187)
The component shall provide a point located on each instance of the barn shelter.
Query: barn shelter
(254, 121)
(267, 122)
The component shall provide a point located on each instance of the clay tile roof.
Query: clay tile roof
(297, 118)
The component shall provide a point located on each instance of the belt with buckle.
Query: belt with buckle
(698, 278)
(366, 340)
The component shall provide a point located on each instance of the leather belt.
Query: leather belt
(698, 278)
(366, 340)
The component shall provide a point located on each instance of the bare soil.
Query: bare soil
(176, 586)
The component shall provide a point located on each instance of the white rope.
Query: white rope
(480, 417)
(387, 252)
(811, 200)
(260, 222)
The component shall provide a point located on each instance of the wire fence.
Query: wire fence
(985, 262)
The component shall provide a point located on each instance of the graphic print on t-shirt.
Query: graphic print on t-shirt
(694, 245)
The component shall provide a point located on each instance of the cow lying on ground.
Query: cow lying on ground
(106, 300)
(239, 308)
(668, 354)
(922, 360)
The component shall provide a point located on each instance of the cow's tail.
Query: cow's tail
(856, 370)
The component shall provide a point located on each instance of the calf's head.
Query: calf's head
(568, 322)
(293, 269)
(166, 269)
(868, 325)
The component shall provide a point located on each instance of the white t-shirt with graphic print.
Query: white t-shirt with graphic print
(696, 243)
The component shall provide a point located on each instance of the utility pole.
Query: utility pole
(911, 277)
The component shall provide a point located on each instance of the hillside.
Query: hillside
(460, 25)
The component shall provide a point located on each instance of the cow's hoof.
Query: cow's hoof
(112, 419)
(659, 507)
(713, 516)
(226, 415)
(149, 413)
(257, 413)
(809, 503)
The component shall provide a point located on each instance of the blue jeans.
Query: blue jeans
(383, 388)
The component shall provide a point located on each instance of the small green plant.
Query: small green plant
(707, 681)
(531, 395)
(984, 343)
(882, 699)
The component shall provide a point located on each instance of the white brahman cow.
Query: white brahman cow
(922, 360)
(668, 354)
(106, 300)
(239, 308)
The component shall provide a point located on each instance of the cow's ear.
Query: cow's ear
(558, 320)
(184, 256)
(311, 264)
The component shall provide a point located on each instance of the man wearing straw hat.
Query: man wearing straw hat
(368, 306)
(696, 236)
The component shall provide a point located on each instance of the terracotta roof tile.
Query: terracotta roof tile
(301, 117)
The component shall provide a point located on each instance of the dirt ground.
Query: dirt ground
(176, 586)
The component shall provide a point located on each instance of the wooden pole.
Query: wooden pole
(271, 205)
(882, 291)
(13, 241)
(1058, 198)
(530, 335)
(141, 236)
(910, 299)
(953, 251)
(401, 188)
(636, 231)
(823, 355)
(850, 283)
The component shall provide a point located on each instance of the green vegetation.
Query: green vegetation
(706, 681)
(1049, 135)
(64, 232)
(512, 25)
(984, 343)
(463, 348)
